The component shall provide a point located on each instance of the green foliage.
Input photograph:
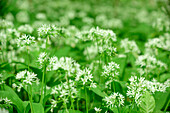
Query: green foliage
(147, 103)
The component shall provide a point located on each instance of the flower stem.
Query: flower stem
(167, 105)
(65, 105)
(77, 104)
(42, 87)
(86, 99)
(30, 98)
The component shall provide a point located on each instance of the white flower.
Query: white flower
(21, 75)
(148, 64)
(129, 46)
(25, 28)
(93, 85)
(49, 30)
(25, 40)
(53, 104)
(26, 78)
(84, 80)
(42, 59)
(114, 100)
(138, 87)
(7, 101)
(97, 109)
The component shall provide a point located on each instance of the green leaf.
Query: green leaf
(10, 94)
(164, 77)
(120, 86)
(70, 111)
(38, 108)
(147, 103)
(7, 75)
(160, 99)
(114, 109)
(98, 91)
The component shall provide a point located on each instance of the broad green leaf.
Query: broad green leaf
(7, 75)
(157, 111)
(114, 109)
(98, 91)
(14, 99)
(70, 111)
(38, 108)
(122, 62)
(164, 77)
(120, 86)
(160, 99)
(147, 103)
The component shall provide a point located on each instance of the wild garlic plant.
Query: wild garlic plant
(115, 100)
(26, 29)
(64, 92)
(139, 85)
(149, 66)
(156, 45)
(111, 74)
(26, 80)
(5, 104)
(69, 57)
(130, 46)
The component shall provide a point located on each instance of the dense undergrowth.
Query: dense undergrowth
(75, 56)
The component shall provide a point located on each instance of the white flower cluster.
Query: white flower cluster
(43, 59)
(66, 63)
(163, 42)
(85, 77)
(97, 109)
(154, 86)
(91, 52)
(149, 65)
(64, 90)
(111, 71)
(25, 40)
(162, 24)
(5, 24)
(105, 22)
(138, 86)
(103, 38)
(11, 32)
(3, 110)
(49, 30)
(26, 78)
(1, 81)
(25, 29)
(129, 46)
(114, 100)
(71, 38)
(5, 101)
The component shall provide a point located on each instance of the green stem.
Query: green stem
(77, 104)
(72, 103)
(65, 105)
(28, 58)
(118, 110)
(86, 100)
(167, 105)
(30, 98)
(123, 73)
(113, 86)
(42, 87)
(132, 105)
